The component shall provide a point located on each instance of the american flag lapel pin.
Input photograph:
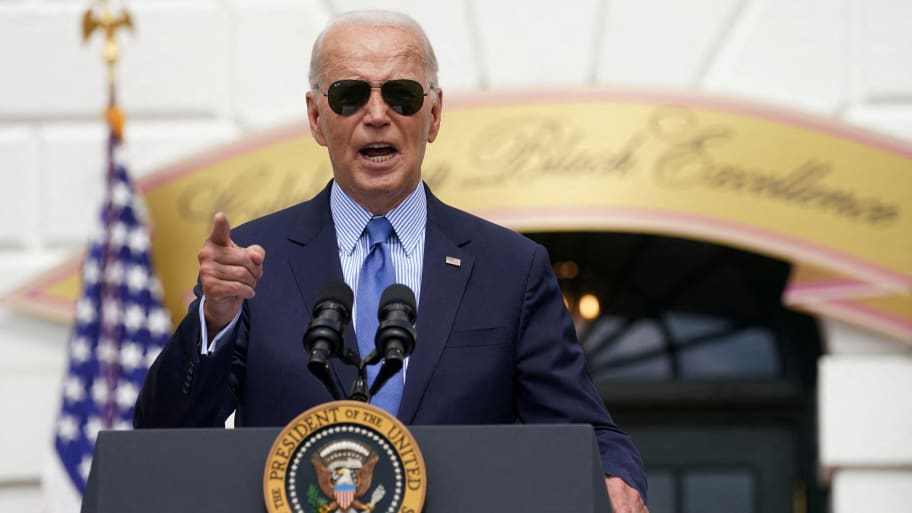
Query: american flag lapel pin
(456, 262)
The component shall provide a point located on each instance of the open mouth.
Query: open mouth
(378, 152)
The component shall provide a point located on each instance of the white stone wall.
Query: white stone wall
(201, 72)
(865, 418)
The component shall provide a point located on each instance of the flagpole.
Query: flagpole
(120, 321)
(102, 18)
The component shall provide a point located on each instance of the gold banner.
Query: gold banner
(832, 199)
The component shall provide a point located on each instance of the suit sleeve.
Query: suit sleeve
(553, 382)
(186, 389)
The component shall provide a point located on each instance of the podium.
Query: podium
(470, 469)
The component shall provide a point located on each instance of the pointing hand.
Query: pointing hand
(228, 274)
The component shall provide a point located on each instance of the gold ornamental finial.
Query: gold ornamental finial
(101, 16)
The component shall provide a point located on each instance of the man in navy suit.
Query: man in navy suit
(495, 343)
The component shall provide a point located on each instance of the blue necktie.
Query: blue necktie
(377, 273)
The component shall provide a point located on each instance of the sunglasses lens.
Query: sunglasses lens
(347, 96)
(403, 96)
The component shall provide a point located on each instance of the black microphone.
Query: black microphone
(323, 336)
(395, 338)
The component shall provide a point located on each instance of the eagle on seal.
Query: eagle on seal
(344, 471)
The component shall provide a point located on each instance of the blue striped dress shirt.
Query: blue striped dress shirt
(406, 248)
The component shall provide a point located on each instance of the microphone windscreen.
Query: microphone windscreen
(397, 293)
(336, 291)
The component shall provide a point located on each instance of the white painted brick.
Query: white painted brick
(882, 44)
(30, 377)
(21, 498)
(74, 167)
(891, 119)
(18, 187)
(537, 42)
(670, 50)
(73, 181)
(32, 346)
(272, 52)
(788, 53)
(883, 491)
(151, 145)
(844, 339)
(20, 266)
(46, 69)
(865, 415)
(448, 28)
(178, 60)
(32, 400)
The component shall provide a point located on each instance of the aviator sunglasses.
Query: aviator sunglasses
(348, 96)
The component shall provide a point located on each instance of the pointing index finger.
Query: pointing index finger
(221, 231)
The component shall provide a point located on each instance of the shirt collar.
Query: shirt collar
(408, 219)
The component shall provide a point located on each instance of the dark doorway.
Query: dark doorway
(695, 355)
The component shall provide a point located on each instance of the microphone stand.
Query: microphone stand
(360, 390)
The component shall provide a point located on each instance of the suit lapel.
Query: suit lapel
(314, 260)
(442, 287)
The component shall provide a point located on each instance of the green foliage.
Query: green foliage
(315, 499)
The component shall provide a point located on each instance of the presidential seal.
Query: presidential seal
(344, 457)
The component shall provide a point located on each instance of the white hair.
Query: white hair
(375, 18)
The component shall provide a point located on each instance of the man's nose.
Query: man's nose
(376, 109)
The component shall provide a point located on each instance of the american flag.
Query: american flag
(120, 326)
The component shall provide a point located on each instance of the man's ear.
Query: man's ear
(313, 117)
(436, 112)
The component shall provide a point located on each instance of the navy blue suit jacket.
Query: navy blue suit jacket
(495, 343)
